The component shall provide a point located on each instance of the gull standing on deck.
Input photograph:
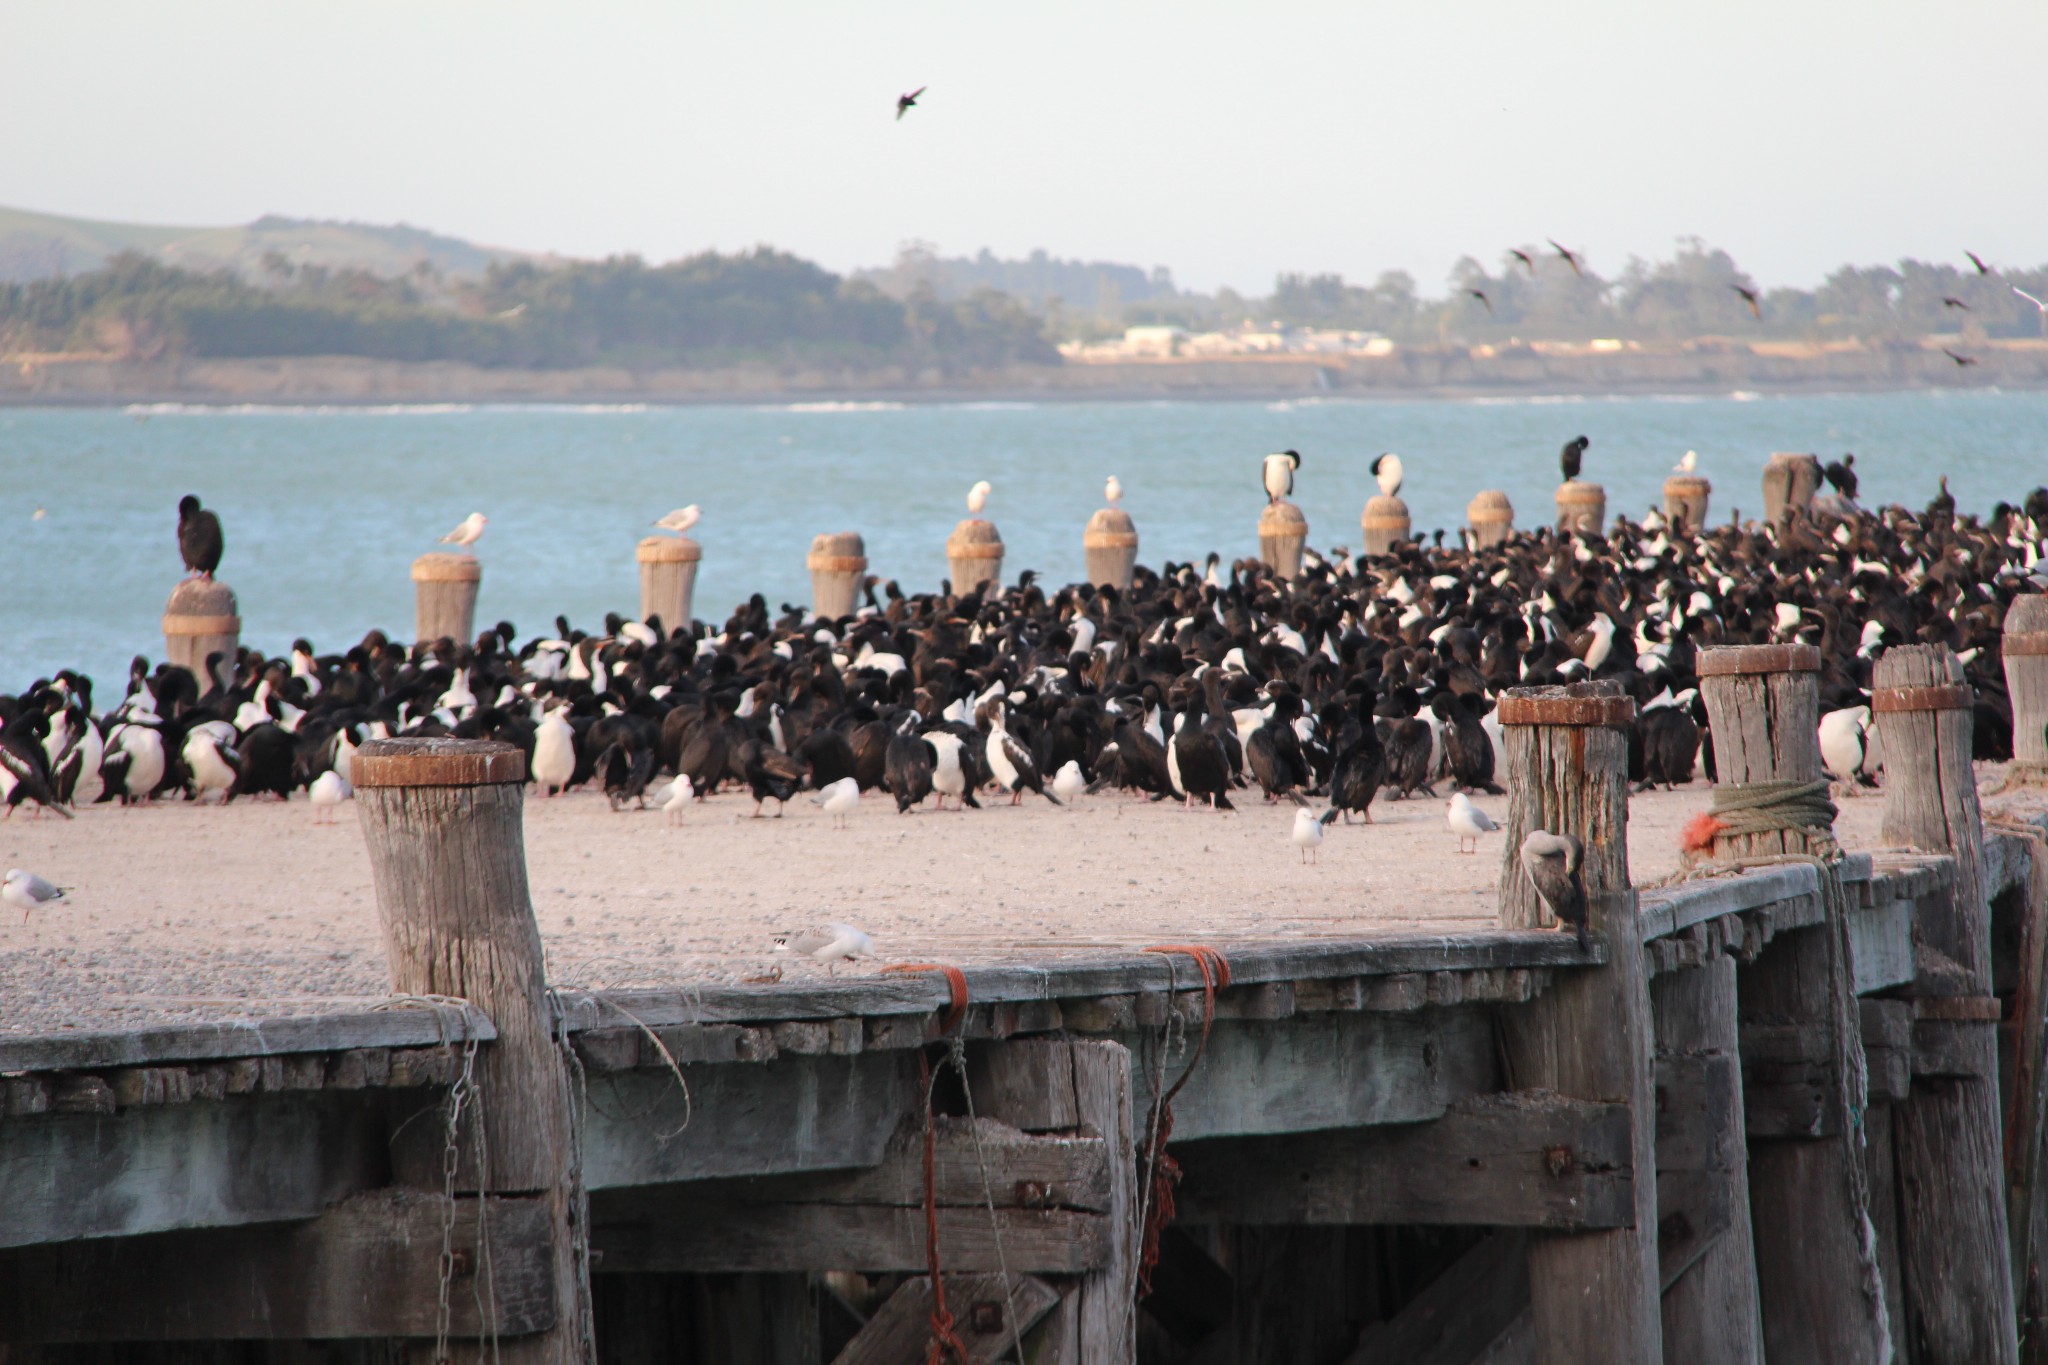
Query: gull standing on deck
(27, 892)
(1307, 834)
(468, 533)
(1468, 822)
(830, 944)
(839, 800)
(1276, 472)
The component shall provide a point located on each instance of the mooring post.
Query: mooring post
(668, 580)
(1955, 1246)
(2024, 649)
(974, 555)
(1790, 481)
(448, 859)
(1685, 502)
(837, 561)
(1492, 518)
(444, 588)
(1384, 521)
(1818, 1282)
(1283, 530)
(1110, 548)
(202, 620)
(1594, 1294)
(1581, 508)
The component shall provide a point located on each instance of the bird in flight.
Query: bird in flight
(1960, 360)
(905, 103)
(1749, 297)
(1978, 261)
(2039, 306)
(1524, 258)
(1569, 259)
(1948, 302)
(1480, 294)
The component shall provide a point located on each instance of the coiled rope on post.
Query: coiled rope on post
(1769, 807)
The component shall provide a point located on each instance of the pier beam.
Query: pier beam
(1955, 1248)
(1581, 508)
(1492, 518)
(1821, 1296)
(974, 556)
(1594, 1294)
(1283, 530)
(448, 859)
(1110, 547)
(668, 580)
(1790, 481)
(2024, 650)
(202, 620)
(1685, 502)
(837, 561)
(1383, 523)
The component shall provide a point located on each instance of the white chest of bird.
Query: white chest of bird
(554, 753)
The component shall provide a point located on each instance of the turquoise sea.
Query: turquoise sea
(325, 508)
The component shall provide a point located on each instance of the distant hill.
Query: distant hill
(1097, 288)
(35, 246)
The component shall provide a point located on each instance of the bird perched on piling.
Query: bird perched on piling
(906, 103)
(830, 944)
(1687, 463)
(1387, 470)
(1276, 473)
(1468, 822)
(1113, 491)
(680, 520)
(977, 497)
(468, 533)
(1572, 457)
(1553, 864)
(200, 542)
(27, 892)
(1307, 834)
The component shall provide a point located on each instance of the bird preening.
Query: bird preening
(1386, 470)
(1572, 457)
(1276, 474)
(1553, 863)
(199, 538)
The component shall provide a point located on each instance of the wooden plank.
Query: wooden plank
(252, 1160)
(1881, 946)
(982, 1312)
(1673, 909)
(366, 1268)
(1106, 1323)
(397, 1026)
(1460, 1314)
(1527, 1160)
(795, 1114)
(1887, 1049)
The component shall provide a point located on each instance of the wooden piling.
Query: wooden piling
(1110, 548)
(1594, 1294)
(668, 579)
(1492, 518)
(1953, 1226)
(2025, 651)
(447, 856)
(1581, 507)
(838, 560)
(1818, 1290)
(1283, 530)
(202, 619)
(1384, 521)
(974, 555)
(1685, 502)
(444, 589)
(1790, 481)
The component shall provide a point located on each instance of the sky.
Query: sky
(1227, 141)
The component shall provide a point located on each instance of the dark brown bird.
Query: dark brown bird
(1978, 261)
(1553, 862)
(905, 103)
(1569, 259)
(199, 538)
(1480, 294)
(1948, 302)
(1524, 258)
(1749, 297)
(1960, 360)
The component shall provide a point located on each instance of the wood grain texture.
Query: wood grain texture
(668, 579)
(2025, 657)
(444, 597)
(1567, 771)
(981, 1307)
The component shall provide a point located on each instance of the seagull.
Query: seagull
(977, 496)
(680, 520)
(1569, 259)
(28, 891)
(1277, 472)
(1480, 294)
(905, 103)
(1978, 261)
(1307, 834)
(1749, 297)
(830, 944)
(1113, 490)
(1067, 783)
(1689, 463)
(1553, 862)
(675, 798)
(328, 790)
(1387, 469)
(2039, 306)
(1467, 821)
(839, 799)
(467, 534)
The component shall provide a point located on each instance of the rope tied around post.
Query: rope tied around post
(1768, 807)
(1161, 1172)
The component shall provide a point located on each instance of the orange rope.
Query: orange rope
(1162, 1171)
(956, 983)
(946, 1348)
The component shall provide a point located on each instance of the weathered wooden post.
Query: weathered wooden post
(200, 620)
(2025, 651)
(1283, 530)
(1384, 521)
(1110, 548)
(1685, 502)
(974, 555)
(1818, 1281)
(444, 590)
(1594, 1293)
(1581, 507)
(837, 562)
(668, 579)
(1955, 1246)
(1492, 518)
(1790, 481)
(448, 859)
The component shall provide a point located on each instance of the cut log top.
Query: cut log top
(1282, 519)
(1578, 490)
(1958, 696)
(442, 567)
(1490, 505)
(975, 538)
(1111, 528)
(201, 597)
(839, 551)
(1393, 509)
(669, 550)
(1687, 483)
(437, 763)
(1595, 703)
(1731, 660)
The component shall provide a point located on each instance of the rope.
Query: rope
(1162, 1172)
(956, 983)
(1772, 807)
(946, 1346)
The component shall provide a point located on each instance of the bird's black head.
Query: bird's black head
(1293, 455)
(188, 507)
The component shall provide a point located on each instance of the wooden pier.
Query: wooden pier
(1785, 1108)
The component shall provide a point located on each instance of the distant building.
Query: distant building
(1158, 341)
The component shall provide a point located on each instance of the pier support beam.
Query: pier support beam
(448, 858)
(1593, 1294)
(2024, 652)
(1955, 1252)
(1821, 1297)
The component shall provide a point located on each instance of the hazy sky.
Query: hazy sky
(1228, 141)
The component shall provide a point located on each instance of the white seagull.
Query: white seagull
(1688, 463)
(28, 892)
(329, 790)
(468, 533)
(681, 520)
(830, 944)
(839, 799)
(675, 798)
(1468, 822)
(1308, 831)
(1113, 490)
(1067, 783)
(977, 496)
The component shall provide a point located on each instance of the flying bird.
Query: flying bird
(830, 944)
(1553, 863)
(1524, 258)
(1948, 302)
(1480, 294)
(1960, 360)
(906, 103)
(27, 892)
(681, 520)
(199, 538)
(1978, 261)
(977, 496)
(1307, 834)
(1572, 456)
(1277, 473)
(1387, 469)
(468, 533)
(1749, 297)
(1569, 258)
(1467, 821)
(1113, 490)
(2039, 306)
